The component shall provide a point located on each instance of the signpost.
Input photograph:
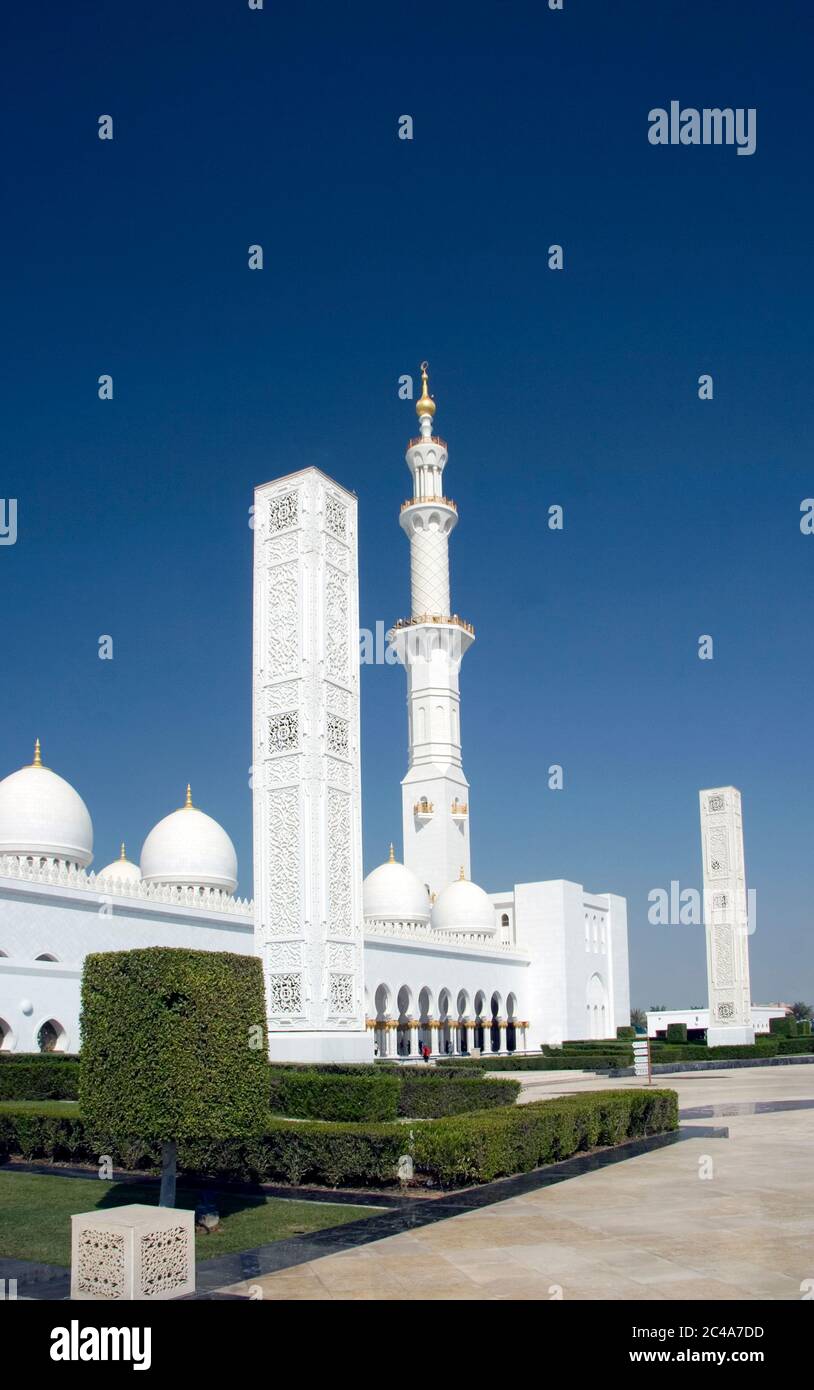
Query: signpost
(641, 1059)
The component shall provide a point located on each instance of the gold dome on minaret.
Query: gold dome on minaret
(425, 405)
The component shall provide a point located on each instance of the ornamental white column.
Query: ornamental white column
(431, 644)
(306, 769)
(726, 918)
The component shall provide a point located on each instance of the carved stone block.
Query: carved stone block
(134, 1252)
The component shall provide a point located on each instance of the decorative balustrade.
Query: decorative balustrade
(460, 808)
(433, 501)
(450, 620)
(427, 439)
(421, 931)
(423, 807)
(60, 876)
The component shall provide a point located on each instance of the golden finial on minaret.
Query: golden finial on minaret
(462, 875)
(392, 858)
(188, 802)
(123, 856)
(425, 405)
(37, 755)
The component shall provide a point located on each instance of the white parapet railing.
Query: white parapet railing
(422, 931)
(59, 875)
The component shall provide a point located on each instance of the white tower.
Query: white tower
(431, 644)
(306, 773)
(726, 918)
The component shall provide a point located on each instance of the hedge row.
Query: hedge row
(314, 1095)
(32, 1080)
(699, 1052)
(552, 1061)
(453, 1151)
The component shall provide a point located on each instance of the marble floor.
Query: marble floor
(702, 1219)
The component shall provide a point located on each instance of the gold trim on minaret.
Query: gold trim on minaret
(188, 802)
(37, 755)
(392, 858)
(462, 876)
(425, 405)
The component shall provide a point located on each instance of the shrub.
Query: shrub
(32, 1080)
(790, 1047)
(428, 1095)
(455, 1150)
(477, 1148)
(804, 1027)
(676, 1032)
(699, 1052)
(174, 1047)
(557, 1061)
(783, 1027)
(626, 1031)
(328, 1096)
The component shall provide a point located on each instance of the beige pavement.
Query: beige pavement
(649, 1228)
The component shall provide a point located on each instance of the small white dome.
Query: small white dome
(122, 869)
(463, 906)
(42, 815)
(393, 893)
(189, 849)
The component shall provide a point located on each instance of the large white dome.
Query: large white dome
(463, 906)
(189, 849)
(393, 893)
(122, 868)
(42, 815)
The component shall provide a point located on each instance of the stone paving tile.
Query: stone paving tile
(647, 1229)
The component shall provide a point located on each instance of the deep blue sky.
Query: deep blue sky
(578, 388)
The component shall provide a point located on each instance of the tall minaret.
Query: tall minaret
(430, 644)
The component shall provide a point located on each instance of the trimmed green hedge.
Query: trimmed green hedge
(174, 1044)
(552, 1061)
(453, 1151)
(39, 1081)
(783, 1027)
(699, 1052)
(676, 1033)
(316, 1095)
(625, 1030)
(46, 1057)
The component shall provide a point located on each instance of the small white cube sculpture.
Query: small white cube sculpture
(133, 1252)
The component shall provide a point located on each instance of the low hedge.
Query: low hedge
(408, 1092)
(699, 1052)
(789, 1046)
(552, 1061)
(676, 1032)
(33, 1080)
(47, 1057)
(452, 1151)
(478, 1148)
(783, 1027)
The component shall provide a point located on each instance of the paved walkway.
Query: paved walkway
(651, 1228)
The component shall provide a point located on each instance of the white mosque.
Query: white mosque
(417, 954)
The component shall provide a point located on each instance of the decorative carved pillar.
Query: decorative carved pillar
(413, 1037)
(306, 775)
(726, 918)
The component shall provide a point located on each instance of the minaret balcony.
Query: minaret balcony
(423, 619)
(430, 502)
(460, 811)
(423, 810)
(429, 439)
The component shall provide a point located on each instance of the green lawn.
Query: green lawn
(35, 1212)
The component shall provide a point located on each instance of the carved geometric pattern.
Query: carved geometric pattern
(339, 774)
(281, 772)
(716, 803)
(340, 910)
(281, 697)
(726, 1010)
(285, 995)
(429, 572)
(284, 955)
(337, 700)
(283, 612)
(718, 850)
(719, 901)
(101, 1263)
(338, 735)
(284, 732)
(723, 962)
(283, 831)
(164, 1260)
(335, 516)
(340, 999)
(341, 957)
(336, 553)
(336, 624)
(282, 513)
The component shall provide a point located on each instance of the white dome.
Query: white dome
(463, 906)
(393, 893)
(123, 869)
(42, 815)
(189, 849)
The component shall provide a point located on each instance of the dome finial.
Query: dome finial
(392, 858)
(425, 405)
(462, 875)
(122, 856)
(188, 802)
(37, 755)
